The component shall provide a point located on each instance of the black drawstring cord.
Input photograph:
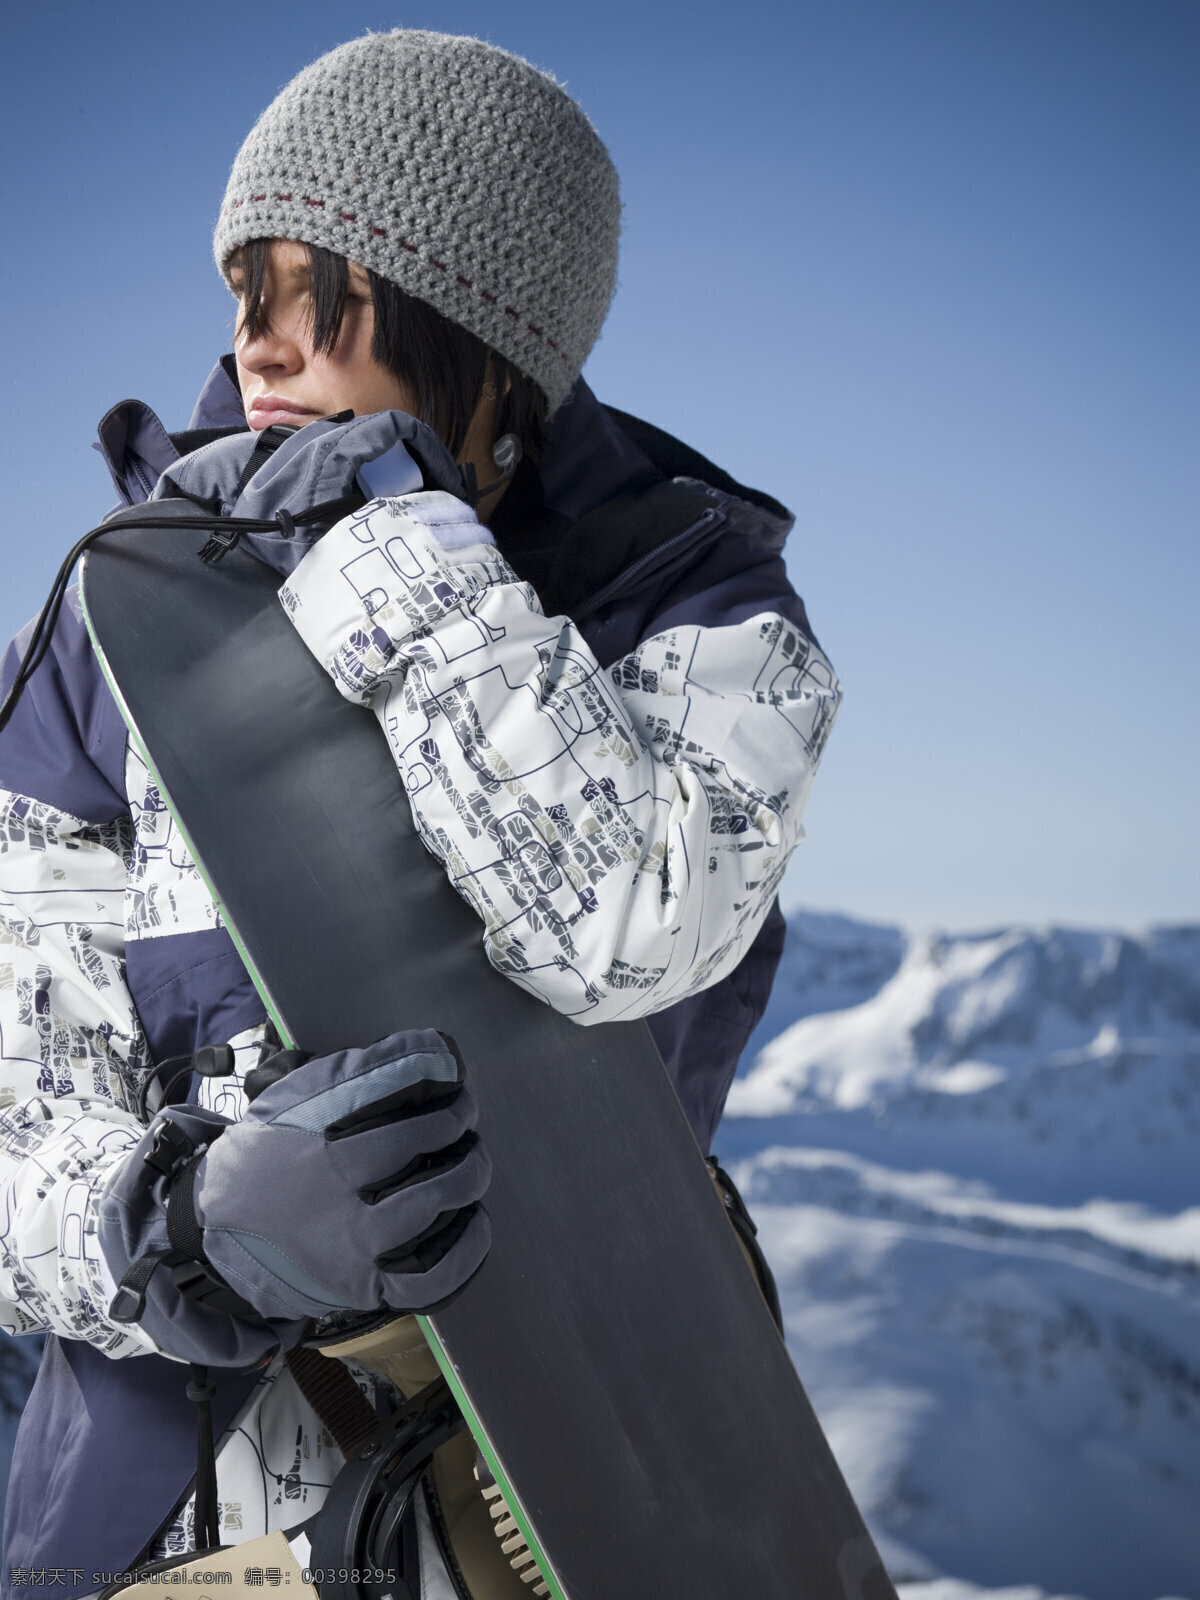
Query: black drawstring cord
(506, 453)
(218, 528)
(206, 1527)
(210, 1061)
(153, 1076)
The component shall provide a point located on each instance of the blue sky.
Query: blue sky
(925, 269)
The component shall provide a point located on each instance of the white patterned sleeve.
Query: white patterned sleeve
(621, 833)
(71, 1051)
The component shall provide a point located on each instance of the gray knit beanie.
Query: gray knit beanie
(453, 169)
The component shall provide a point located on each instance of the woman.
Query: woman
(603, 700)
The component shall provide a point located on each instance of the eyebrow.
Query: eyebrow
(298, 269)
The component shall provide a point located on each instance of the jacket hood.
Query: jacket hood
(608, 492)
(257, 474)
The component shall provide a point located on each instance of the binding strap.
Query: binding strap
(334, 1396)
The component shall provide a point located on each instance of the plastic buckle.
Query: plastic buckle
(200, 1282)
(171, 1147)
(127, 1305)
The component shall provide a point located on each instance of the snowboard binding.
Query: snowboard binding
(364, 1538)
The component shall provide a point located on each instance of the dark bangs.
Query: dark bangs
(443, 365)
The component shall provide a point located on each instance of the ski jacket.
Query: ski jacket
(637, 596)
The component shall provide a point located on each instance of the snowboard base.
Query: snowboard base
(613, 1356)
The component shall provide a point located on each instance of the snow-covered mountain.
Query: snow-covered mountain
(973, 1161)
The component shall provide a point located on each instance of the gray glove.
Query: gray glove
(352, 1183)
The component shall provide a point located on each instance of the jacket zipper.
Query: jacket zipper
(636, 568)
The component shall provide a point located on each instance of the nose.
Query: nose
(274, 351)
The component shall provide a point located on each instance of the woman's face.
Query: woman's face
(283, 380)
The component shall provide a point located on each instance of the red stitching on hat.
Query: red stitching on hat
(382, 233)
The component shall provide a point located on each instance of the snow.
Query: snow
(965, 1077)
(975, 1177)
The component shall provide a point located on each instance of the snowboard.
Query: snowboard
(613, 1357)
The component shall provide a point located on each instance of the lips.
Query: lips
(270, 408)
